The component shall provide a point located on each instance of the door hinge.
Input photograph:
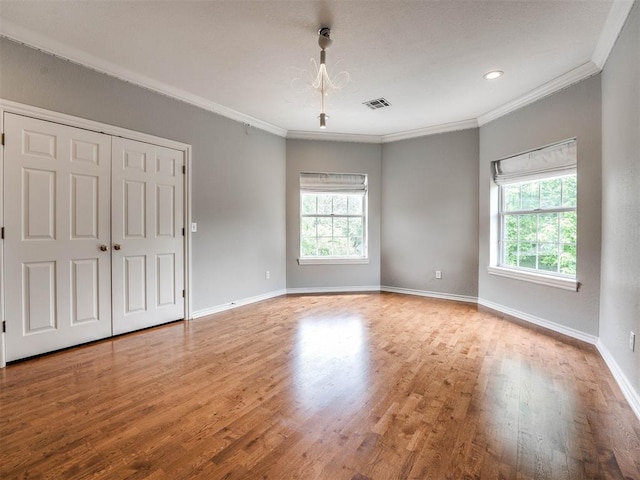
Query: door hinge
(4, 326)
(2, 234)
(2, 140)
(184, 169)
(183, 293)
(183, 231)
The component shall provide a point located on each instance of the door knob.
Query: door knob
(117, 246)
(104, 248)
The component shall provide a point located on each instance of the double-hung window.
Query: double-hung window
(333, 218)
(537, 213)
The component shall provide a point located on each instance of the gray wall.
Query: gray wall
(430, 213)
(238, 178)
(572, 112)
(620, 291)
(338, 157)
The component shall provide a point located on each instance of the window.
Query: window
(538, 224)
(537, 216)
(333, 218)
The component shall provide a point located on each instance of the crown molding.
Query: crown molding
(432, 130)
(65, 52)
(612, 27)
(333, 137)
(574, 76)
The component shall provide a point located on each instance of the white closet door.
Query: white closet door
(147, 235)
(57, 217)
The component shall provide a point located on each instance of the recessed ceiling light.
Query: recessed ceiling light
(493, 74)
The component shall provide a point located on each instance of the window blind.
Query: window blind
(348, 183)
(553, 161)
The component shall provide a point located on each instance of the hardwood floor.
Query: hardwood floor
(354, 387)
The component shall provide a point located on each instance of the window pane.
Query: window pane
(527, 255)
(568, 259)
(510, 254)
(530, 196)
(548, 257)
(548, 228)
(308, 204)
(325, 204)
(569, 191)
(551, 193)
(340, 227)
(340, 246)
(568, 227)
(355, 204)
(339, 204)
(308, 227)
(510, 228)
(324, 246)
(356, 246)
(528, 225)
(309, 247)
(511, 197)
(355, 227)
(325, 227)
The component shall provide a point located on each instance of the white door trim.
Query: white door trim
(77, 122)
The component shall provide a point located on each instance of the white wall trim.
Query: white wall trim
(348, 289)
(432, 130)
(72, 121)
(333, 137)
(425, 293)
(238, 303)
(388, 138)
(541, 322)
(74, 55)
(612, 27)
(633, 398)
(570, 284)
(574, 76)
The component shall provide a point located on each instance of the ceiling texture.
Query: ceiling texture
(251, 60)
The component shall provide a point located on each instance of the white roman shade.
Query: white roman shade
(553, 161)
(346, 183)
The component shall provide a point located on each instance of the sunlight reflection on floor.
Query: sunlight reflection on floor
(331, 360)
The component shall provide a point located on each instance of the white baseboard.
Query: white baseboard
(354, 289)
(425, 293)
(238, 303)
(633, 398)
(541, 322)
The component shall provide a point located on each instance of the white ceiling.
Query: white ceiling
(239, 58)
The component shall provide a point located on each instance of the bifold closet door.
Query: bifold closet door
(147, 235)
(57, 271)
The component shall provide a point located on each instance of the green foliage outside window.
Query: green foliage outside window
(332, 225)
(539, 225)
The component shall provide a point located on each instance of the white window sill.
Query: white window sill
(332, 261)
(549, 280)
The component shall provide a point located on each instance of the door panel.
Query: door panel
(57, 185)
(147, 205)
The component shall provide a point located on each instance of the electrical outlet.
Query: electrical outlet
(632, 341)
(267, 275)
(438, 274)
(194, 227)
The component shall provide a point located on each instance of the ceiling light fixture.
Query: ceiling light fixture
(492, 75)
(322, 82)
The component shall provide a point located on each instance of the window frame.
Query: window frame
(333, 259)
(534, 275)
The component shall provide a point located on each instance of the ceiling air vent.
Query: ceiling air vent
(377, 103)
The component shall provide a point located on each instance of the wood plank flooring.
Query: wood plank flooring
(355, 387)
